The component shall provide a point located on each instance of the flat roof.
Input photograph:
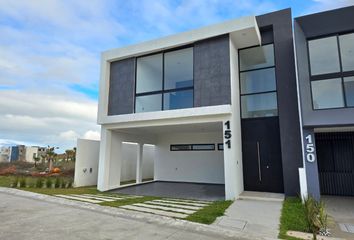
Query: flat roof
(245, 30)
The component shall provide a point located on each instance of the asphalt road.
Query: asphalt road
(24, 218)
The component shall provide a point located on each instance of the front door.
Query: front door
(262, 165)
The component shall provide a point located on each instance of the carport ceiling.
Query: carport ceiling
(200, 127)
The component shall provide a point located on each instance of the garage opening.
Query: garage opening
(335, 154)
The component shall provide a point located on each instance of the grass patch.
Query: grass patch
(5, 181)
(128, 201)
(208, 214)
(292, 217)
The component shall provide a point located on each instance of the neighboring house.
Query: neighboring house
(5, 154)
(34, 151)
(220, 104)
(325, 61)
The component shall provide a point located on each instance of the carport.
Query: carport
(196, 191)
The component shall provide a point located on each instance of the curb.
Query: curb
(143, 217)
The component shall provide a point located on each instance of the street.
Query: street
(25, 218)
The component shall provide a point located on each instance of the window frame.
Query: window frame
(256, 69)
(163, 78)
(190, 145)
(327, 76)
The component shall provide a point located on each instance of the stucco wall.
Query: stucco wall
(87, 154)
(129, 153)
(189, 166)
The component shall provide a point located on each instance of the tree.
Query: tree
(50, 156)
(36, 159)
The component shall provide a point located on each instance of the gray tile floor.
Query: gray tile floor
(198, 191)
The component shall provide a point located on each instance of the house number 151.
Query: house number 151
(227, 134)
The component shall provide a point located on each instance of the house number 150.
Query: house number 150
(227, 134)
(310, 149)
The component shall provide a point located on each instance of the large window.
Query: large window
(258, 82)
(164, 81)
(332, 71)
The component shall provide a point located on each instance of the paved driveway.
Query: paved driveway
(25, 218)
(341, 209)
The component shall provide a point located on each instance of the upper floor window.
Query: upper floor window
(258, 82)
(332, 71)
(164, 81)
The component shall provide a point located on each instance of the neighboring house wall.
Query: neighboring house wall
(189, 166)
(316, 25)
(86, 164)
(14, 153)
(30, 152)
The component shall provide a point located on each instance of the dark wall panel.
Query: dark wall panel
(290, 137)
(324, 23)
(212, 72)
(121, 87)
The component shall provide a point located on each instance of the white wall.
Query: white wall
(129, 157)
(87, 154)
(189, 166)
(29, 153)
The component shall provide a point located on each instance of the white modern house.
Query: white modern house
(151, 93)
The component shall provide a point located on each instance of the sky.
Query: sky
(50, 52)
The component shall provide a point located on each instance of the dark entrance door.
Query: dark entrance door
(262, 165)
(335, 157)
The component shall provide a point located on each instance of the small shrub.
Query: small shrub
(70, 183)
(39, 182)
(49, 183)
(22, 182)
(15, 182)
(57, 182)
(316, 216)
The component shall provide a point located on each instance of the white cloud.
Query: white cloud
(69, 135)
(93, 135)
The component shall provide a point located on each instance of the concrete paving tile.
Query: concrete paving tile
(187, 200)
(79, 198)
(155, 211)
(95, 198)
(233, 223)
(189, 204)
(164, 208)
(175, 205)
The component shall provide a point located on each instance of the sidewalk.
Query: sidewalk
(256, 215)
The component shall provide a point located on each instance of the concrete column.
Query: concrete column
(310, 163)
(139, 163)
(104, 159)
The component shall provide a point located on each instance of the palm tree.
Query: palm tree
(50, 156)
(36, 159)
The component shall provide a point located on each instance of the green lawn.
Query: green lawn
(208, 214)
(292, 217)
(129, 201)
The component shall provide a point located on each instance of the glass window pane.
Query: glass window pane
(259, 105)
(148, 103)
(177, 100)
(203, 147)
(181, 147)
(149, 73)
(179, 69)
(256, 57)
(349, 90)
(347, 51)
(258, 81)
(324, 56)
(327, 93)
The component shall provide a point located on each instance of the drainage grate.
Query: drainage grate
(346, 227)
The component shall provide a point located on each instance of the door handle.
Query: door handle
(259, 163)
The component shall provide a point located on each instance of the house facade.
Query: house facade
(220, 104)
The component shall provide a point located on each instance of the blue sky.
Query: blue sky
(50, 50)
